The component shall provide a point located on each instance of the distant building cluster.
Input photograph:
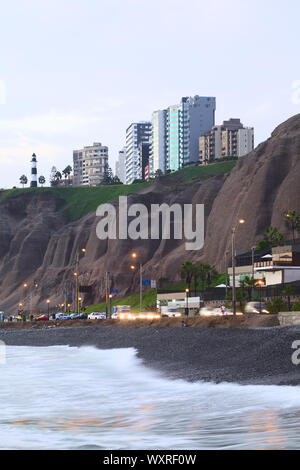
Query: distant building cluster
(180, 135)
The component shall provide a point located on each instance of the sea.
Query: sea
(63, 397)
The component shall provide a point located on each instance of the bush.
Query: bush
(277, 306)
(296, 307)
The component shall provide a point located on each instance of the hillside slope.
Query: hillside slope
(42, 230)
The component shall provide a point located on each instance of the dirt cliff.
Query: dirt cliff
(38, 242)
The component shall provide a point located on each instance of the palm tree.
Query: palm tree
(248, 283)
(292, 221)
(196, 273)
(288, 291)
(186, 272)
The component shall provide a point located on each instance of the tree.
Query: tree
(107, 176)
(292, 221)
(287, 292)
(272, 237)
(186, 273)
(248, 283)
(55, 176)
(67, 171)
(116, 180)
(42, 180)
(158, 173)
(23, 180)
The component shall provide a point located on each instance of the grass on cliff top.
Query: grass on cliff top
(80, 201)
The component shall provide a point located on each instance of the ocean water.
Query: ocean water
(85, 398)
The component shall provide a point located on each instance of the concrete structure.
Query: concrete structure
(135, 134)
(289, 318)
(89, 164)
(231, 139)
(176, 131)
(33, 183)
(120, 168)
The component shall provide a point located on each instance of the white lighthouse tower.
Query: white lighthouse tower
(33, 183)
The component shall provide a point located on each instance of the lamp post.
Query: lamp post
(110, 297)
(76, 273)
(187, 292)
(260, 283)
(48, 305)
(234, 229)
(253, 248)
(226, 273)
(134, 256)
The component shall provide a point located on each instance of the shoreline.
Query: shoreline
(246, 356)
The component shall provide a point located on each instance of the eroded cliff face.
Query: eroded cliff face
(37, 242)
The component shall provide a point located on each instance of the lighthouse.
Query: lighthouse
(33, 183)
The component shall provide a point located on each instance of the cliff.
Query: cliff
(41, 230)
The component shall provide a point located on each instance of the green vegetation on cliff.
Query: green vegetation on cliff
(77, 202)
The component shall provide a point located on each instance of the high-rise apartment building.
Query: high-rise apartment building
(157, 160)
(135, 134)
(89, 164)
(176, 131)
(231, 139)
(120, 168)
(143, 159)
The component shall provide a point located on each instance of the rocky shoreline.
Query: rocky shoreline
(246, 356)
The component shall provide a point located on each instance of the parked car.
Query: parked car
(42, 318)
(256, 307)
(97, 316)
(62, 316)
(78, 316)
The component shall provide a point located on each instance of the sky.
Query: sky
(74, 72)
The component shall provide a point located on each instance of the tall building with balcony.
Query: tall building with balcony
(176, 131)
(135, 134)
(157, 160)
(89, 164)
(120, 168)
(231, 139)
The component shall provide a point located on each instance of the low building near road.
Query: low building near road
(178, 300)
(280, 265)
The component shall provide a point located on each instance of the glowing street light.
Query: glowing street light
(234, 229)
(134, 255)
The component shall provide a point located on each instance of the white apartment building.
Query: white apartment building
(136, 133)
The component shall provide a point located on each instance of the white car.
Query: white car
(97, 316)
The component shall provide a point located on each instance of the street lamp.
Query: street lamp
(226, 273)
(253, 248)
(187, 292)
(82, 250)
(134, 256)
(260, 283)
(110, 297)
(234, 229)
(48, 305)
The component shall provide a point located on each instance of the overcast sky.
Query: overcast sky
(73, 72)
